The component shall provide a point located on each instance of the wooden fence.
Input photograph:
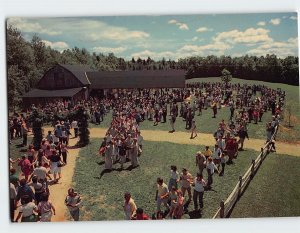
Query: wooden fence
(226, 207)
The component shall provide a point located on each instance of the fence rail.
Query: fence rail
(226, 207)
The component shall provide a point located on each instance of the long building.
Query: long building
(77, 82)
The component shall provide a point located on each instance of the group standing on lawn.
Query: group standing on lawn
(123, 142)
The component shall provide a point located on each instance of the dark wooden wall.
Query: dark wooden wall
(58, 78)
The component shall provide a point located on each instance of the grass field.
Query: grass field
(103, 198)
(274, 191)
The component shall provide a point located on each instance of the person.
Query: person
(140, 215)
(162, 190)
(199, 184)
(231, 148)
(172, 122)
(122, 152)
(31, 154)
(74, 125)
(14, 178)
(140, 140)
(108, 156)
(216, 155)
(27, 210)
(129, 206)
(134, 154)
(210, 167)
(55, 167)
(242, 135)
(45, 208)
(200, 161)
(73, 202)
(223, 162)
(215, 111)
(40, 172)
(26, 166)
(173, 198)
(207, 152)
(193, 130)
(186, 180)
(64, 153)
(38, 189)
(24, 133)
(178, 212)
(174, 179)
(24, 190)
(12, 197)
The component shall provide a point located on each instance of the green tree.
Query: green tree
(82, 118)
(37, 127)
(226, 76)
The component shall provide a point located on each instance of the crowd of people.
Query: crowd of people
(123, 142)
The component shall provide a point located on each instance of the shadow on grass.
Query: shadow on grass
(195, 214)
(106, 171)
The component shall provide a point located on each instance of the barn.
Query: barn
(78, 82)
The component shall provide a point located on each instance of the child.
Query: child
(222, 164)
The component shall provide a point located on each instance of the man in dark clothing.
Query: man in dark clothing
(242, 135)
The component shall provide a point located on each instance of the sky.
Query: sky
(169, 36)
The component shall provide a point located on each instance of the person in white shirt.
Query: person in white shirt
(221, 143)
(162, 190)
(216, 155)
(210, 167)
(186, 181)
(199, 184)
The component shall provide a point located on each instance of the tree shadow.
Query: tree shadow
(100, 163)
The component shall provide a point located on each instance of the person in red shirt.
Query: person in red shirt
(26, 166)
(140, 215)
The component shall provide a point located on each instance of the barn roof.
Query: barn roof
(137, 79)
(79, 71)
(38, 93)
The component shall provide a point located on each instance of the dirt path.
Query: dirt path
(203, 139)
(59, 191)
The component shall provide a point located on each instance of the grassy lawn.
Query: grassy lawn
(103, 198)
(292, 96)
(274, 192)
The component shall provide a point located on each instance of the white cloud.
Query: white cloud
(281, 49)
(275, 21)
(249, 36)
(261, 23)
(116, 50)
(181, 26)
(195, 38)
(27, 26)
(293, 17)
(59, 45)
(154, 55)
(203, 29)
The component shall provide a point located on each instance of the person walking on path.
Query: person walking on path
(73, 202)
(45, 208)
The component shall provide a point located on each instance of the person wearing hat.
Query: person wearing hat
(200, 161)
(199, 184)
(73, 202)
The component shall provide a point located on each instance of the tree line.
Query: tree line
(27, 61)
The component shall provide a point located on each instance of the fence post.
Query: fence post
(252, 168)
(222, 209)
(240, 186)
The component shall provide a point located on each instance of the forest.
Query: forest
(27, 61)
